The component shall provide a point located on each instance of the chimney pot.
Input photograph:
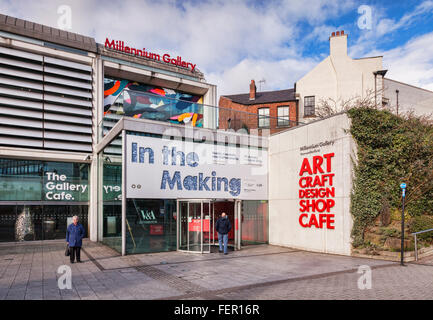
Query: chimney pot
(253, 90)
(333, 34)
(338, 44)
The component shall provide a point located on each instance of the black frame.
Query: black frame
(310, 107)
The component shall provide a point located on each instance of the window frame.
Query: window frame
(282, 122)
(310, 106)
(263, 117)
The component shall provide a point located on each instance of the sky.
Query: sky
(232, 42)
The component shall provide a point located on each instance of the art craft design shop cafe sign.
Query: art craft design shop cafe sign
(317, 192)
(119, 45)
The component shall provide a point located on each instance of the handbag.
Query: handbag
(67, 252)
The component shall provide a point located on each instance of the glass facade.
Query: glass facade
(39, 198)
(123, 97)
(255, 222)
(150, 225)
(112, 206)
(33, 180)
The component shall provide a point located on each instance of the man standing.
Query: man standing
(223, 227)
(74, 237)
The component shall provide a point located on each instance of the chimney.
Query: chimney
(338, 44)
(253, 90)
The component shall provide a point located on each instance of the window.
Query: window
(264, 117)
(283, 116)
(309, 106)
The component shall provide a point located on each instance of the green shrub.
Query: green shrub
(391, 150)
(420, 223)
(390, 232)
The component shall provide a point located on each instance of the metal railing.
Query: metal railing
(415, 236)
(147, 105)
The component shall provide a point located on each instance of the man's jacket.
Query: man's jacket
(223, 225)
(75, 235)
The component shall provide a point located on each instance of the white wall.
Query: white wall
(338, 77)
(285, 159)
(410, 98)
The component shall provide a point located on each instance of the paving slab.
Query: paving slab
(29, 271)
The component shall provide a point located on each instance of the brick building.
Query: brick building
(274, 110)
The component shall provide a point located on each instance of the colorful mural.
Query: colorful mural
(138, 100)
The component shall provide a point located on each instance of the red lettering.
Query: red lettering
(307, 182)
(317, 181)
(166, 58)
(325, 178)
(313, 221)
(329, 221)
(302, 204)
(301, 217)
(317, 207)
(328, 157)
(317, 164)
(108, 43)
(305, 167)
(322, 219)
(329, 204)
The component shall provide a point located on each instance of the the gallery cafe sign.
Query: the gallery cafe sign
(119, 45)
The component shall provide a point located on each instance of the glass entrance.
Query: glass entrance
(196, 224)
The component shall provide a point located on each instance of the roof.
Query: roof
(264, 97)
(55, 36)
(45, 33)
(368, 58)
(407, 84)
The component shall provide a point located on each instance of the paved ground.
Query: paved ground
(29, 271)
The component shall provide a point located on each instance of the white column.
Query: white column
(124, 148)
(97, 102)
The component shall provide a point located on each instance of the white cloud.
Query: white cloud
(232, 42)
(281, 74)
(412, 63)
(382, 26)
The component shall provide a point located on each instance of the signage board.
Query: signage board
(158, 168)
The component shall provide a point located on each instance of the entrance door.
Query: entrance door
(194, 226)
(233, 210)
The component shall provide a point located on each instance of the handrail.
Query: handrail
(421, 231)
(416, 246)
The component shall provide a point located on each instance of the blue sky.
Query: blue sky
(233, 42)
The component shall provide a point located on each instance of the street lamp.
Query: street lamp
(403, 194)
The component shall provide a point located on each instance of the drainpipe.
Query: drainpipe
(375, 89)
(396, 91)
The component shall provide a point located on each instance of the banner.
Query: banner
(169, 169)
